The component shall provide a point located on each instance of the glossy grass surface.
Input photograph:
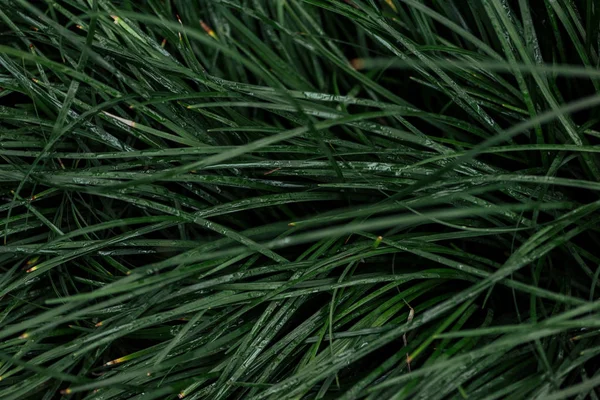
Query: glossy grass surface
(299, 199)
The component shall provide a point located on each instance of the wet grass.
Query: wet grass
(299, 199)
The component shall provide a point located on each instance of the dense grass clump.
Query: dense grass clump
(299, 199)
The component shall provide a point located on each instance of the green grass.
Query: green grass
(299, 199)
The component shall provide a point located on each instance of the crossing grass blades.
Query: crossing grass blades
(299, 199)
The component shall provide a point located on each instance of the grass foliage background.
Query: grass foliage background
(299, 199)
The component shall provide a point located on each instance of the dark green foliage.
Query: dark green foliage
(299, 199)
